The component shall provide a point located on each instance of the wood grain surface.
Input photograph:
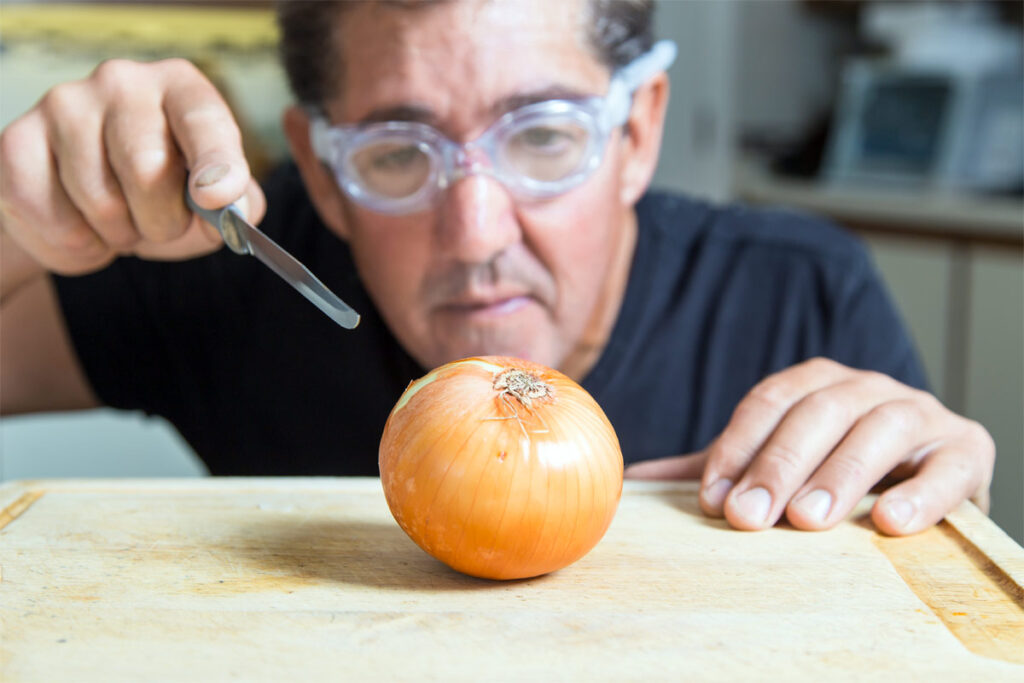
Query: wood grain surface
(311, 579)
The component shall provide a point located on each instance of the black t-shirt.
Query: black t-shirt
(260, 382)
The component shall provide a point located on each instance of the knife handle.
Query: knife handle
(221, 219)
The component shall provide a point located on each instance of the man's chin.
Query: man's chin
(496, 340)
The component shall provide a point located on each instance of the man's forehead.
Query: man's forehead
(482, 55)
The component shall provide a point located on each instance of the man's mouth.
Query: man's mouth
(488, 307)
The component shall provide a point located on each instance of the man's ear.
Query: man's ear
(319, 180)
(642, 139)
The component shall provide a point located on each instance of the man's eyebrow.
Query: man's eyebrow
(422, 114)
(401, 112)
(553, 92)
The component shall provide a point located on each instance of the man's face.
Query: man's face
(480, 272)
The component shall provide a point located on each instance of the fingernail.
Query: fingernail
(714, 495)
(901, 511)
(243, 205)
(815, 505)
(753, 505)
(209, 176)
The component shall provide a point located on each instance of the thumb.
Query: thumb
(689, 466)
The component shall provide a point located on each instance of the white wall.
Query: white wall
(696, 155)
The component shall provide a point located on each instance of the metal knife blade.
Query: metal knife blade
(243, 238)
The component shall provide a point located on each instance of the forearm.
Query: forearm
(39, 370)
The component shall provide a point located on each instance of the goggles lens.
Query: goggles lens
(394, 167)
(538, 151)
(547, 151)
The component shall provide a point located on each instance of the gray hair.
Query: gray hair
(618, 31)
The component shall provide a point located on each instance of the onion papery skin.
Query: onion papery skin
(491, 494)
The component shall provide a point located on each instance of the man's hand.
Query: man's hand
(98, 168)
(810, 441)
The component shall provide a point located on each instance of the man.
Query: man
(468, 164)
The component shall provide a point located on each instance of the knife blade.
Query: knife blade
(242, 237)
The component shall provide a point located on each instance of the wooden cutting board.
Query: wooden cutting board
(311, 579)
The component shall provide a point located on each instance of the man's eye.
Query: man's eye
(543, 137)
(396, 159)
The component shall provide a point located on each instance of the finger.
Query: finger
(200, 237)
(754, 420)
(675, 467)
(253, 203)
(34, 209)
(76, 137)
(957, 470)
(806, 436)
(892, 432)
(208, 136)
(148, 167)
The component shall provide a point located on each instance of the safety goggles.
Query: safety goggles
(537, 151)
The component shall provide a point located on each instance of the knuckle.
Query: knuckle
(978, 434)
(107, 209)
(115, 72)
(12, 140)
(874, 377)
(829, 406)
(850, 471)
(782, 457)
(217, 117)
(819, 365)
(109, 214)
(120, 80)
(10, 147)
(122, 240)
(728, 453)
(178, 66)
(74, 237)
(164, 230)
(899, 416)
(749, 409)
(148, 165)
(16, 186)
(772, 392)
(928, 401)
(62, 100)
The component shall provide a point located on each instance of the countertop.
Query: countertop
(311, 579)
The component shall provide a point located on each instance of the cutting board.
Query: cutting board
(311, 579)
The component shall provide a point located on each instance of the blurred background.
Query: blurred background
(901, 121)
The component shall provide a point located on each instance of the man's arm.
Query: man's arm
(807, 442)
(96, 170)
(38, 368)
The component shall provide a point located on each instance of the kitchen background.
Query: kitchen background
(902, 121)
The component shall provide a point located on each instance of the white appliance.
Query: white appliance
(944, 110)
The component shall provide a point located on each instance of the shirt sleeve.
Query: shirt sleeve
(147, 333)
(111, 330)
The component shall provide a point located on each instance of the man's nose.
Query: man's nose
(477, 221)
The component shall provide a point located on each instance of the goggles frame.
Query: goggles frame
(450, 161)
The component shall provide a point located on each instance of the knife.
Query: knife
(243, 238)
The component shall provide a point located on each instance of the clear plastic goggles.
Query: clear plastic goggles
(537, 151)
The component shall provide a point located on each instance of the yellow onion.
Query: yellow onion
(501, 468)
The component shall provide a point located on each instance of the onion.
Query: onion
(501, 468)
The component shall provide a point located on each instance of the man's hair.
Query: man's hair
(618, 31)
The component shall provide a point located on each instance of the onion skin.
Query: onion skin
(495, 486)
